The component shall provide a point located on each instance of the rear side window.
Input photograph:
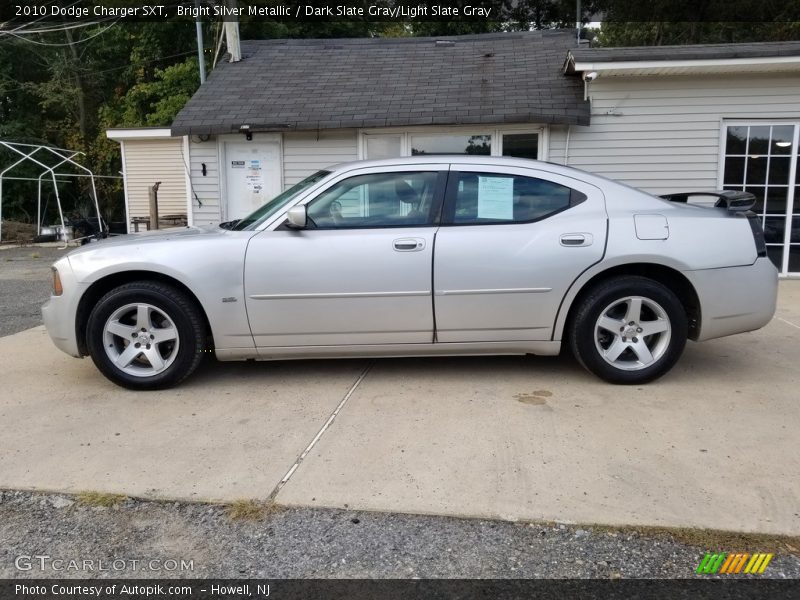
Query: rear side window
(487, 198)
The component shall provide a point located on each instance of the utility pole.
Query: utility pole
(232, 33)
(579, 21)
(201, 59)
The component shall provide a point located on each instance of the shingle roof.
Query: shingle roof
(690, 52)
(385, 82)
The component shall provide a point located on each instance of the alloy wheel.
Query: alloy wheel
(632, 333)
(141, 339)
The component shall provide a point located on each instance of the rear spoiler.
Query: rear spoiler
(733, 200)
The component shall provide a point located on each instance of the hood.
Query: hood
(176, 234)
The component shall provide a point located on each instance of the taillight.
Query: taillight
(758, 234)
(57, 289)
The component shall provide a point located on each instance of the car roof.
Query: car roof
(431, 159)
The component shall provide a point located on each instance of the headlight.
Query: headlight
(57, 289)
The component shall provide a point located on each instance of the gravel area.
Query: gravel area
(25, 284)
(323, 543)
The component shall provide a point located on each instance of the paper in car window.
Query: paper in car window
(496, 198)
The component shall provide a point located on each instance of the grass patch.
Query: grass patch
(99, 499)
(250, 510)
(715, 539)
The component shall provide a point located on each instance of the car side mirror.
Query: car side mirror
(297, 217)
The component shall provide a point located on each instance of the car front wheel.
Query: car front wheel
(146, 335)
(629, 330)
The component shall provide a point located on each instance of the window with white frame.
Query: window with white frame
(520, 143)
(456, 143)
(762, 158)
(383, 146)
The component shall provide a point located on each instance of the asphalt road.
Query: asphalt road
(25, 285)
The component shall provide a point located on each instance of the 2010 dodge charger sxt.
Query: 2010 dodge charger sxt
(423, 256)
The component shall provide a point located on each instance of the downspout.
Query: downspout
(578, 23)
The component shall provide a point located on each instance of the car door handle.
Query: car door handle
(408, 244)
(576, 239)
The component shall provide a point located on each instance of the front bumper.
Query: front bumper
(735, 299)
(58, 313)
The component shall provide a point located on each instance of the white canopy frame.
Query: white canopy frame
(63, 156)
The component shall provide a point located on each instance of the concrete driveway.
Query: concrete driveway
(714, 444)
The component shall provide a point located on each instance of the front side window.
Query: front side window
(376, 200)
(487, 198)
(260, 215)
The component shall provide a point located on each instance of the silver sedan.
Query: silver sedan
(430, 255)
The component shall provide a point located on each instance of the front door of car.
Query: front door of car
(511, 243)
(359, 273)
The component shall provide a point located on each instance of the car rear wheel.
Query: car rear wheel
(146, 335)
(629, 330)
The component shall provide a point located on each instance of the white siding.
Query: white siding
(303, 154)
(667, 136)
(148, 161)
(205, 189)
(307, 152)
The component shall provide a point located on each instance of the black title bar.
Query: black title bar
(560, 12)
(340, 589)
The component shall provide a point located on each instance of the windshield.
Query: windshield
(278, 202)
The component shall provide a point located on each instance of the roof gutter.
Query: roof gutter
(574, 65)
(138, 133)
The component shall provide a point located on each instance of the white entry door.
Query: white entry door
(253, 171)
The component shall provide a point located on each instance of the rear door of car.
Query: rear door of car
(511, 242)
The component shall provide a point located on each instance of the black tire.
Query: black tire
(185, 353)
(611, 298)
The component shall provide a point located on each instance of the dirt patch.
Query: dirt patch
(535, 398)
(731, 540)
(100, 499)
(20, 233)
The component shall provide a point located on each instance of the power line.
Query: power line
(56, 29)
(44, 16)
(102, 31)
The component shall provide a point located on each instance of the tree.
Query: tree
(665, 22)
(663, 33)
(510, 15)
